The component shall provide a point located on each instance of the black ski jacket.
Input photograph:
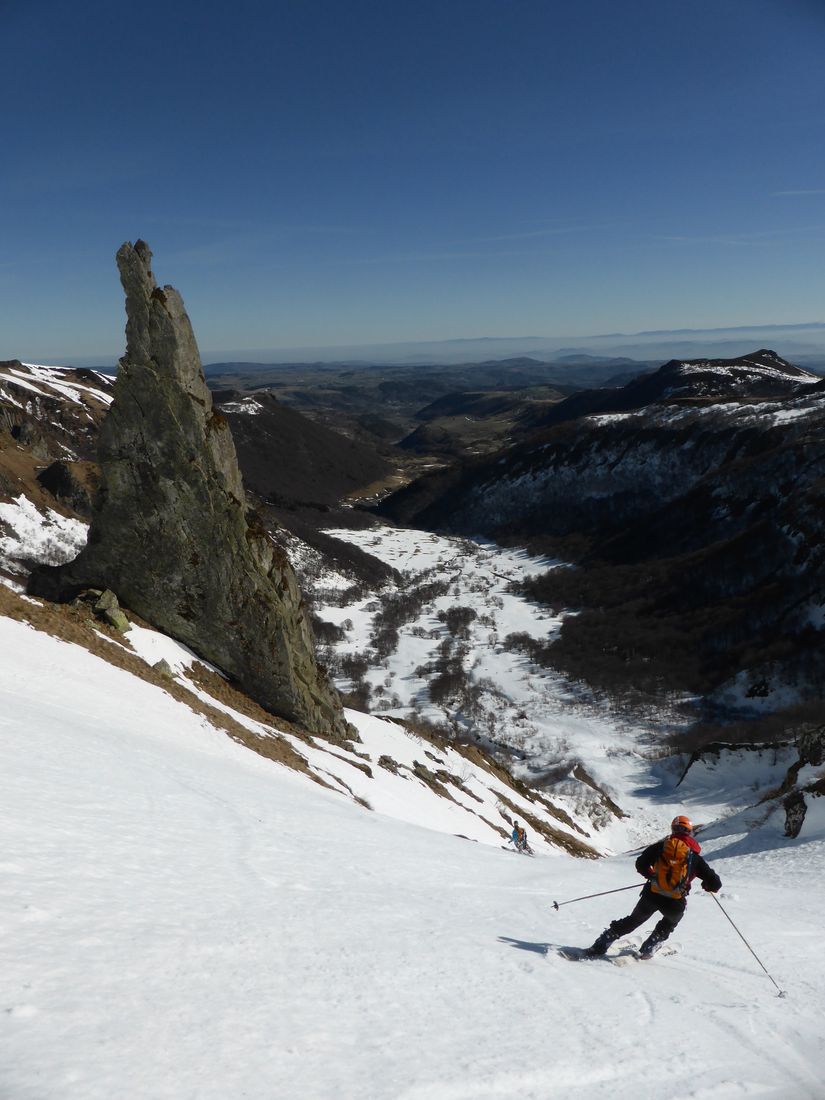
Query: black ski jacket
(699, 868)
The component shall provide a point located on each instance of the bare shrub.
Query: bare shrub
(354, 666)
(358, 698)
(326, 633)
(458, 620)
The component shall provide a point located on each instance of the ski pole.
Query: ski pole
(635, 886)
(742, 938)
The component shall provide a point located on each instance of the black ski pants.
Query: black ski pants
(672, 910)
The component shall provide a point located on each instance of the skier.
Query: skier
(519, 838)
(669, 866)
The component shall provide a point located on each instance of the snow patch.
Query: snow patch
(45, 538)
(249, 406)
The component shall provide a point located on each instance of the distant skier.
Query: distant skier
(669, 866)
(519, 838)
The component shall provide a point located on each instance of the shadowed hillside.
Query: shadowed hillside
(691, 501)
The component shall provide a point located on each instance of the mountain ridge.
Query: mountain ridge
(695, 507)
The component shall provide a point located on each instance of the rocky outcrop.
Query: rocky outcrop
(795, 809)
(73, 484)
(812, 746)
(170, 531)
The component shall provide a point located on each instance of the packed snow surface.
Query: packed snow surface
(184, 920)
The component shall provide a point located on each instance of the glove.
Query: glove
(710, 889)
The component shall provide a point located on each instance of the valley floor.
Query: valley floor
(183, 920)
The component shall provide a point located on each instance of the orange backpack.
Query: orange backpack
(672, 870)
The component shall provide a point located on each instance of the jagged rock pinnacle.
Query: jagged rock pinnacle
(170, 534)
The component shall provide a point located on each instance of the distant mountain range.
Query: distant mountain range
(800, 343)
(793, 341)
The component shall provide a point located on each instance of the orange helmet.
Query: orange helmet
(681, 824)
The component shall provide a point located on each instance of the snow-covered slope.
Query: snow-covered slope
(183, 919)
(28, 385)
(31, 535)
(49, 420)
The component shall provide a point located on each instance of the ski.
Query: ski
(574, 954)
(624, 957)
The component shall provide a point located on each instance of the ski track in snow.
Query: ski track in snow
(183, 920)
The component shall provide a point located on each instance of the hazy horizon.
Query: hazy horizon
(806, 339)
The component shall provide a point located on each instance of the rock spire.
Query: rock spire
(171, 534)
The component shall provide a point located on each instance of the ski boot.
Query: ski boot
(600, 945)
(651, 945)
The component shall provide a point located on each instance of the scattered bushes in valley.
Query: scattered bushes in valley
(400, 608)
(358, 698)
(354, 667)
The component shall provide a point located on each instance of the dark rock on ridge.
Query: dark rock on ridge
(170, 533)
(811, 752)
(72, 483)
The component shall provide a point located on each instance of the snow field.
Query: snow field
(180, 918)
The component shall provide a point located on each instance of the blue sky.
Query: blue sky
(317, 173)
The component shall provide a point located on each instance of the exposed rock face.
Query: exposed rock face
(795, 808)
(74, 484)
(811, 753)
(170, 534)
(812, 746)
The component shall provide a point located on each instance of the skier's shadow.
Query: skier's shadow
(526, 945)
